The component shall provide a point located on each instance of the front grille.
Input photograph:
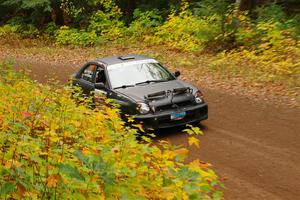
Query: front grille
(173, 106)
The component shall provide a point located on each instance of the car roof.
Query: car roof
(121, 59)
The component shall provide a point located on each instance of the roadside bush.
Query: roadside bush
(106, 22)
(277, 64)
(74, 37)
(52, 148)
(8, 30)
(186, 31)
(144, 23)
(267, 48)
(221, 14)
(18, 25)
(271, 12)
(51, 29)
(106, 25)
(296, 21)
(25, 31)
(271, 27)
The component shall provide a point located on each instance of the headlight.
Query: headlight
(143, 108)
(199, 97)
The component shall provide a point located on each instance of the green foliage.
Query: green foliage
(8, 30)
(29, 4)
(266, 38)
(106, 22)
(186, 32)
(103, 20)
(275, 60)
(106, 25)
(271, 12)
(144, 23)
(296, 21)
(23, 30)
(51, 29)
(207, 8)
(269, 44)
(73, 37)
(37, 8)
(271, 27)
(74, 9)
(54, 148)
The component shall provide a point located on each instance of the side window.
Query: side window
(100, 76)
(89, 72)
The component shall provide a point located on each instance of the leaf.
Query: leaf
(21, 189)
(194, 141)
(182, 151)
(217, 195)
(52, 180)
(195, 196)
(70, 171)
(181, 154)
(146, 139)
(81, 157)
(7, 188)
(193, 130)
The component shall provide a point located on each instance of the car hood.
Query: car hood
(140, 92)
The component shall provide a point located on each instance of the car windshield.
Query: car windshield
(136, 73)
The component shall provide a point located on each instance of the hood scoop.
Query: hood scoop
(156, 95)
(183, 90)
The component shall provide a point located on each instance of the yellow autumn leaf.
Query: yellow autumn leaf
(194, 163)
(182, 151)
(194, 141)
(169, 154)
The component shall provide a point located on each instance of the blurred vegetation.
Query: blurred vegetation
(68, 151)
(54, 148)
(264, 34)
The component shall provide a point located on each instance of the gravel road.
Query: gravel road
(253, 146)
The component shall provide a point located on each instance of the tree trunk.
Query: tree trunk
(243, 5)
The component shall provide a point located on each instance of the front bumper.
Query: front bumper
(158, 120)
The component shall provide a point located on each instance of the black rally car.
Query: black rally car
(144, 89)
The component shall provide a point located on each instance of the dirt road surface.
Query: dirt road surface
(253, 146)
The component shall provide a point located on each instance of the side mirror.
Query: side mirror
(99, 86)
(176, 73)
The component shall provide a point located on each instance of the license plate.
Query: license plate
(177, 116)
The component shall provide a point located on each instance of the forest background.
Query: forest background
(91, 154)
(257, 40)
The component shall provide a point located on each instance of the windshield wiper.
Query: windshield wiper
(124, 86)
(150, 81)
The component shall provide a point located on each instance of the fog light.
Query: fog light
(143, 108)
(199, 97)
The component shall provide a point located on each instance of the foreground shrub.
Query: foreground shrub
(52, 148)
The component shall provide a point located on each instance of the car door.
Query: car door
(100, 77)
(86, 78)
